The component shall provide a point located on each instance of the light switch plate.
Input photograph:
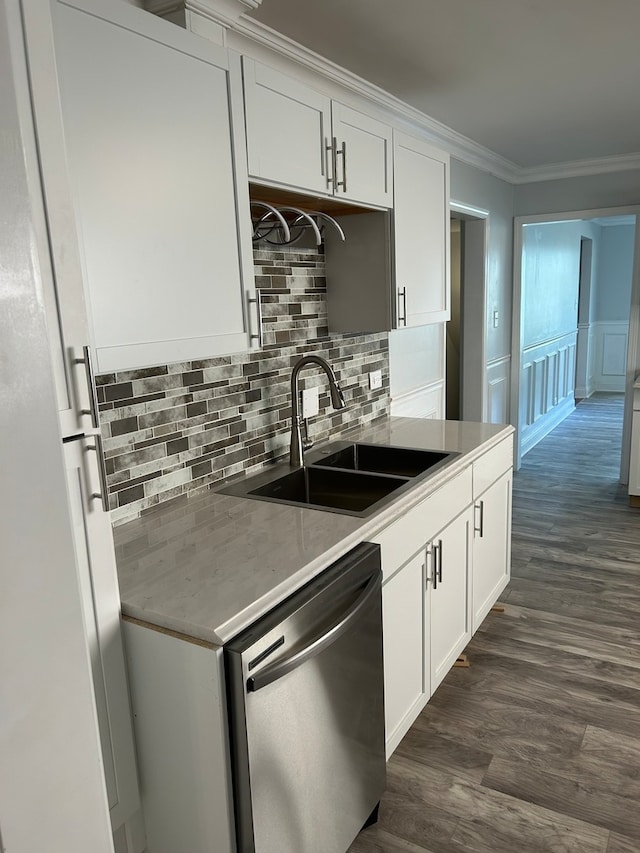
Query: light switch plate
(310, 404)
(375, 380)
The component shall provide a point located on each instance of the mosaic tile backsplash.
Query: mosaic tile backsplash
(181, 428)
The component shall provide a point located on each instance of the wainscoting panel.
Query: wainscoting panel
(425, 402)
(498, 384)
(609, 355)
(526, 395)
(547, 382)
(538, 389)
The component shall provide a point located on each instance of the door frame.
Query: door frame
(633, 338)
(473, 321)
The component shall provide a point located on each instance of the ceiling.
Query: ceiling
(536, 81)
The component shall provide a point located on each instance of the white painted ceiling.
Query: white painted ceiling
(536, 81)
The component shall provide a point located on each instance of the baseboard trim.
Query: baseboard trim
(546, 424)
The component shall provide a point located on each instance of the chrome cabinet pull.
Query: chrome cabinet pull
(331, 171)
(402, 297)
(257, 299)
(437, 563)
(103, 494)
(91, 387)
(480, 528)
(342, 153)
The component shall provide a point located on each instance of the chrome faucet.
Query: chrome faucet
(337, 401)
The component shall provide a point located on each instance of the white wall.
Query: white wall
(612, 189)
(550, 276)
(614, 271)
(52, 791)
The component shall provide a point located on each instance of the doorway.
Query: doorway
(575, 319)
(466, 330)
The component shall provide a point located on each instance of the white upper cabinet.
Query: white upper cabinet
(151, 141)
(385, 277)
(301, 139)
(288, 129)
(421, 232)
(362, 156)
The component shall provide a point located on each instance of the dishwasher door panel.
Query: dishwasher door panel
(308, 718)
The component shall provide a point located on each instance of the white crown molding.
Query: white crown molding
(232, 15)
(578, 168)
(224, 12)
(459, 146)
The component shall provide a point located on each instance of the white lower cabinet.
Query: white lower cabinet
(634, 463)
(406, 685)
(447, 590)
(491, 547)
(444, 564)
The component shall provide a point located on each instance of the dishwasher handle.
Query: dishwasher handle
(272, 673)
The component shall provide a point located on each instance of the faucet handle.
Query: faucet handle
(307, 444)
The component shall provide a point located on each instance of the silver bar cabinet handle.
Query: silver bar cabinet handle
(91, 387)
(433, 550)
(480, 529)
(342, 153)
(329, 147)
(402, 295)
(439, 546)
(103, 494)
(257, 299)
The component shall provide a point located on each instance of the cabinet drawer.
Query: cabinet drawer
(492, 465)
(404, 537)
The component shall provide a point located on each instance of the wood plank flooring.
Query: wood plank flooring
(536, 747)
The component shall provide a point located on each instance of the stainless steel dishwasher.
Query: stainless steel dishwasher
(305, 690)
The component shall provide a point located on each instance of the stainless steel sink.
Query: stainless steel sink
(381, 459)
(329, 488)
(350, 478)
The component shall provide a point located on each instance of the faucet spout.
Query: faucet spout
(337, 401)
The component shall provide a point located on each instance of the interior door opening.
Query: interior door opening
(466, 330)
(575, 287)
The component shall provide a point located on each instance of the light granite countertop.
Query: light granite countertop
(208, 566)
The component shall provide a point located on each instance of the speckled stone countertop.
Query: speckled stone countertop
(210, 565)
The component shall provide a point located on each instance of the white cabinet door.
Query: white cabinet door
(363, 170)
(63, 288)
(101, 603)
(449, 627)
(301, 139)
(288, 129)
(405, 690)
(152, 155)
(634, 465)
(421, 232)
(491, 547)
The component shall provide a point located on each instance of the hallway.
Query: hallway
(536, 747)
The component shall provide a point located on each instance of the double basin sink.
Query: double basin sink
(354, 479)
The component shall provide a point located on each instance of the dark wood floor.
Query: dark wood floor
(536, 747)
